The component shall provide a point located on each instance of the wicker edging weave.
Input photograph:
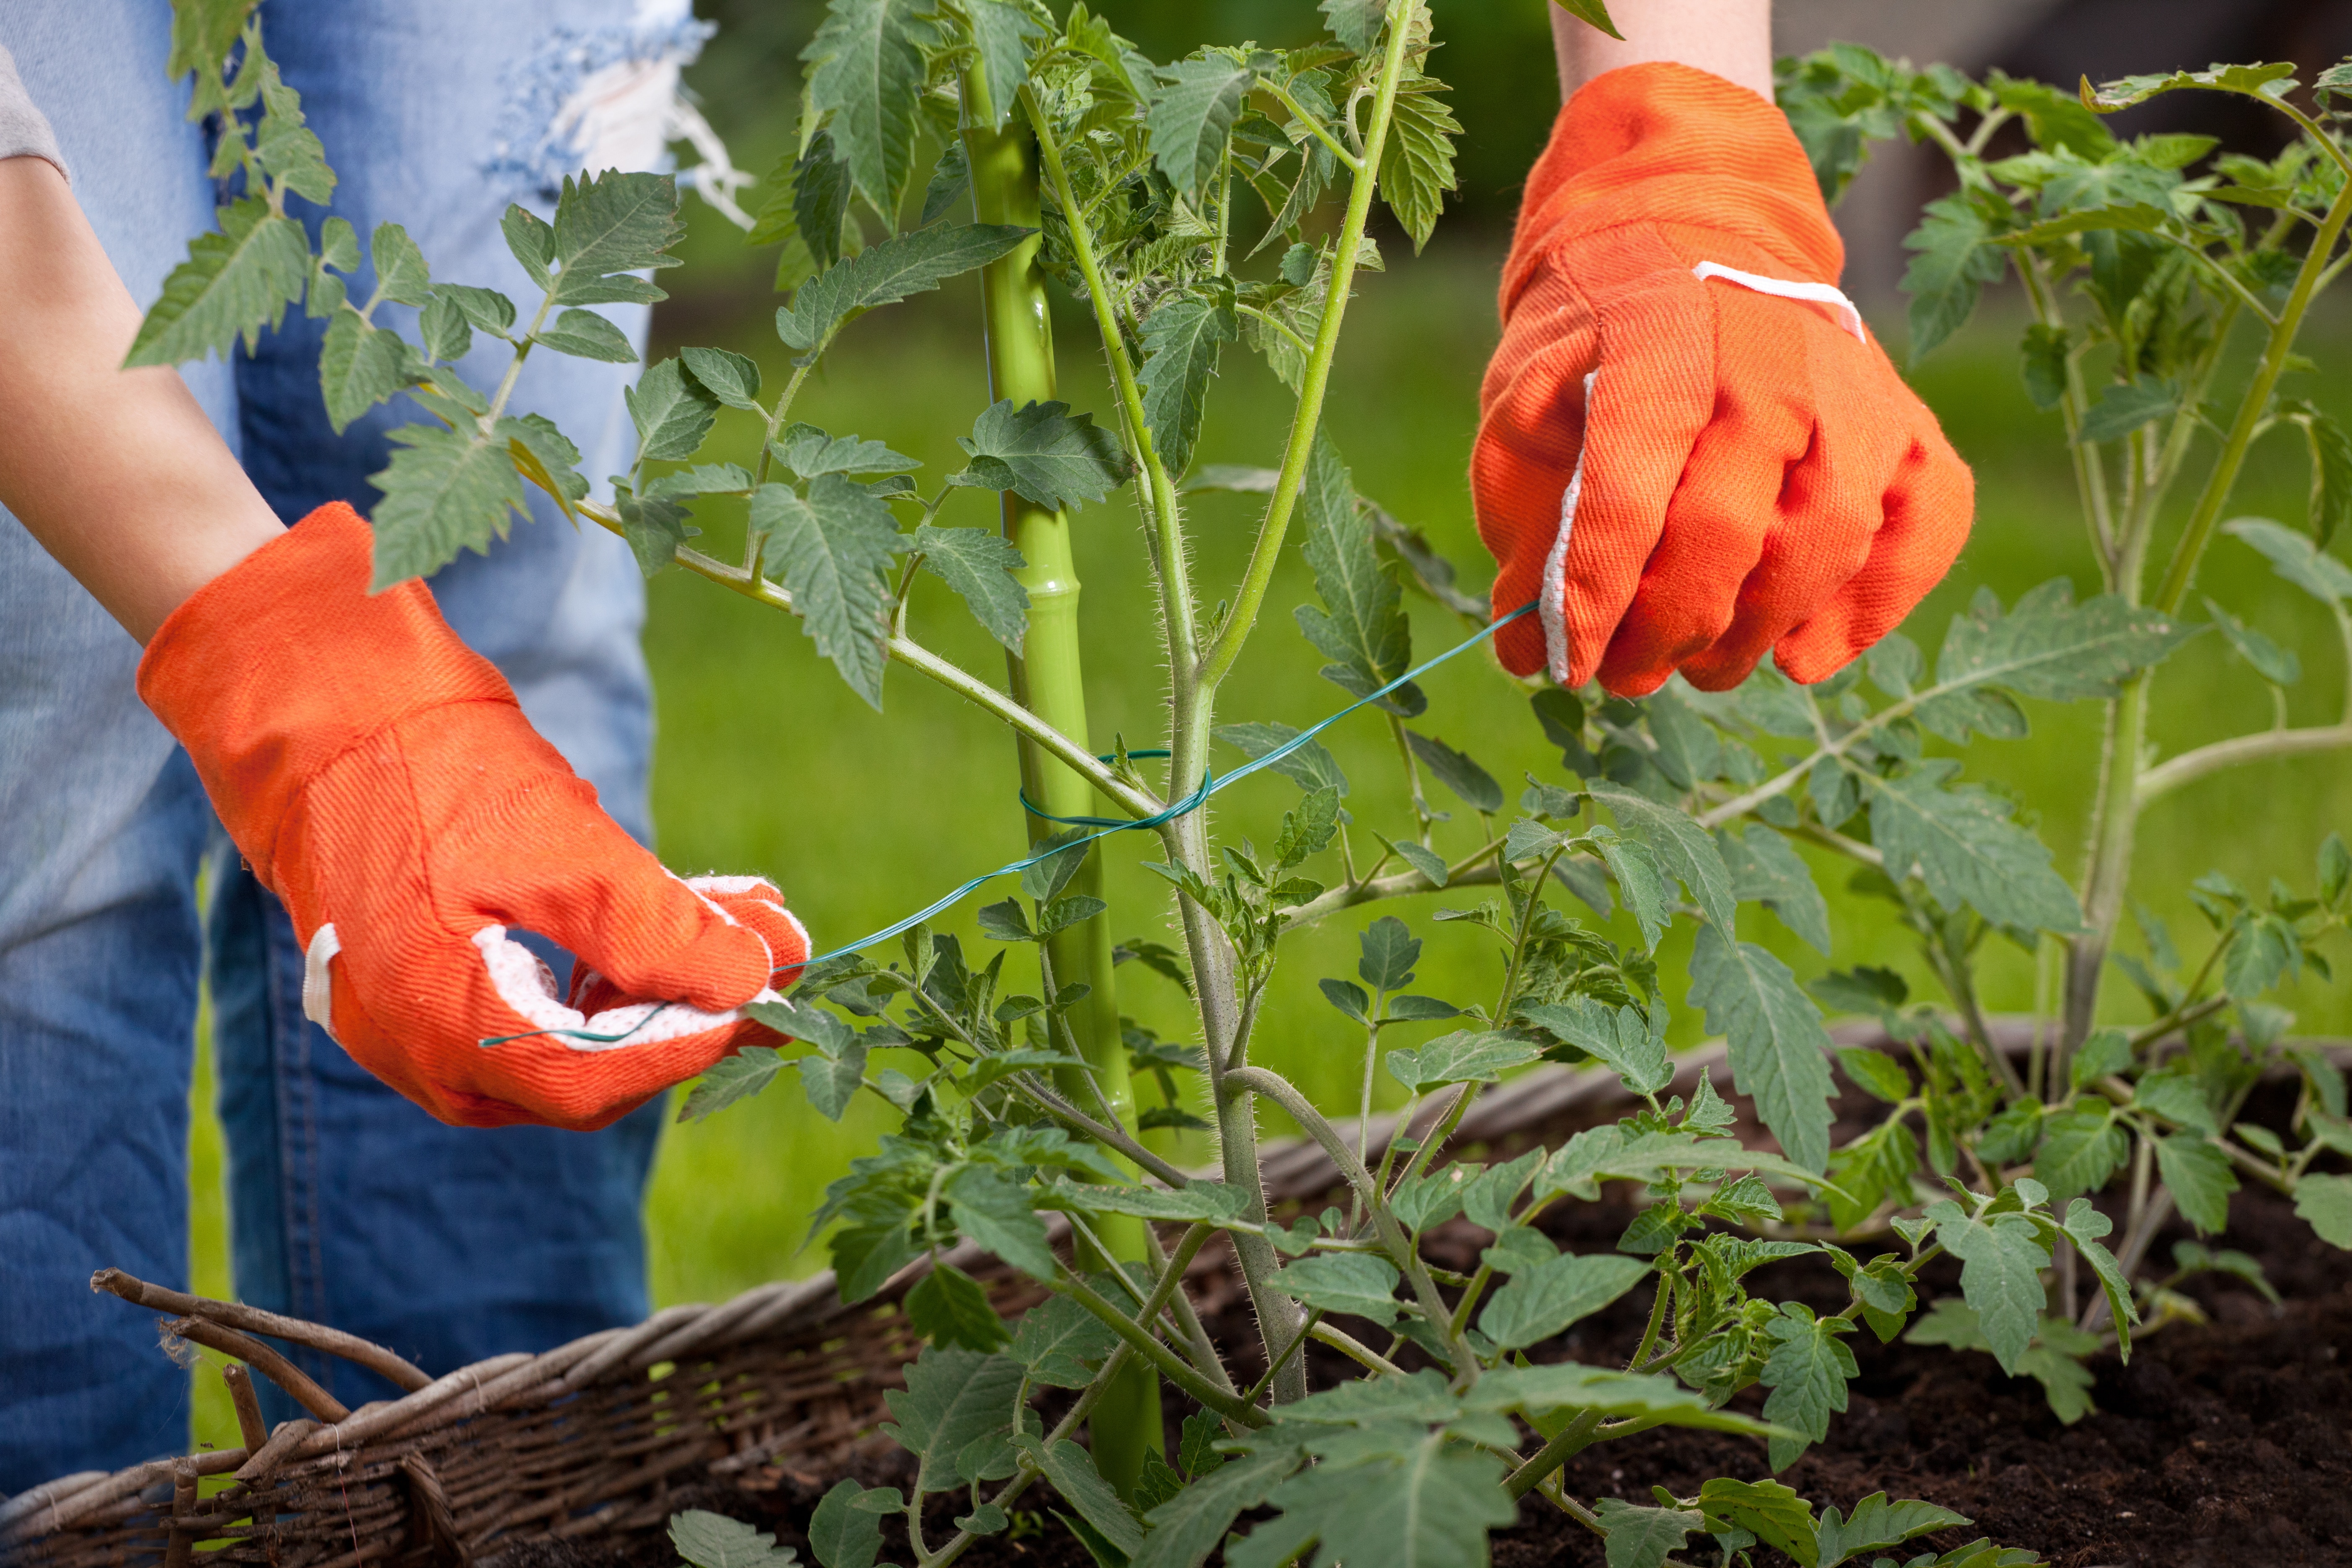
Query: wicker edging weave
(595, 1438)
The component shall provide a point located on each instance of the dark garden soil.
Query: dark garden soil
(2224, 1443)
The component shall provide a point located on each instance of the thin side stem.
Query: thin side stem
(1171, 1367)
(2173, 773)
(1399, 1246)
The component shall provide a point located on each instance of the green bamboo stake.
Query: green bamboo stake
(1048, 679)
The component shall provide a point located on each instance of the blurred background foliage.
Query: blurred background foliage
(767, 762)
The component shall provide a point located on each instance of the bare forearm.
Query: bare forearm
(117, 473)
(1732, 39)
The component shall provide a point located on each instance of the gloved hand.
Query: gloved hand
(1690, 450)
(380, 778)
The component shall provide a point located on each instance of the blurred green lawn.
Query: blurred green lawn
(766, 762)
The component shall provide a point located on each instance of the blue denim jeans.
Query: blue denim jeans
(348, 1204)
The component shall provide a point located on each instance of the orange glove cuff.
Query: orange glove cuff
(1667, 144)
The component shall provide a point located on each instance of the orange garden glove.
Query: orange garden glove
(1690, 450)
(381, 779)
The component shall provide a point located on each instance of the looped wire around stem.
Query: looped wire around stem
(1210, 785)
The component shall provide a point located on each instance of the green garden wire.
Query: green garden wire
(1210, 785)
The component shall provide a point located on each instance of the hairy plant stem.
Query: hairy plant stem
(1189, 721)
(1393, 1239)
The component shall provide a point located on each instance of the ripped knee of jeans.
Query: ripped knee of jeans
(595, 99)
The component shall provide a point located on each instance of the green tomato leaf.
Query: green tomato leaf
(1962, 843)
(1310, 767)
(1766, 871)
(1390, 950)
(728, 376)
(833, 1080)
(1192, 115)
(360, 366)
(1878, 1524)
(830, 550)
(1955, 257)
(709, 1540)
(1779, 1049)
(1417, 160)
(1187, 1527)
(235, 282)
(887, 273)
(1875, 1073)
(448, 334)
(1072, 1470)
(1542, 1302)
(948, 1306)
(1684, 848)
(1766, 1510)
(443, 493)
(1417, 1499)
(1465, 1055)
(1474, 785)
(2086, 1226)
(730, 1078)
(2293, 557)
(702, 480)
(1594, 13)
(672, 412)
(528, 235)
(584, 334)
(2266, 81)
(1355, 22)
(845, 1531)
(952, 1398)
(1361, 626)
(2047, 646)
(2081, 1149)
(1355, 1284)
(2200, 1178)
(1537, 1391)
(808, 451)
(1624, 1038)
(868, 76)
(979, 564)
(1807, 1372)
(1062, 1343)
(1180, 341)
(2325, 1203)
(994, 1212)
(1042, 453)
(2278, 665)
(1645, 1536)
(2001, 1276)
(2123, 407)
(609, 229)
